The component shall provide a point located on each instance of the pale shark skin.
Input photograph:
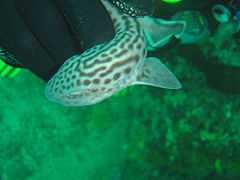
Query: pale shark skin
(102, 70)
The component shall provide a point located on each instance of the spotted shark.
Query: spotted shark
(106, 68)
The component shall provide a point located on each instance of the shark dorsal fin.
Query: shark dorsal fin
(158, 31)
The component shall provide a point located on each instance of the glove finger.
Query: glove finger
(19, 41)
(88, 20)
(48, 26)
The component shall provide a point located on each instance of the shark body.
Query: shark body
(104, 69)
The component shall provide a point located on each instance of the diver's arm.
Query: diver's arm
(36, 34)
(42, 35)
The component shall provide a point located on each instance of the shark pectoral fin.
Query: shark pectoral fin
(154, 73)
(158, 31)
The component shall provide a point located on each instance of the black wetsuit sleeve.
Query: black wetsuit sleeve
(88, 21)
(35, 32)
(43, 34)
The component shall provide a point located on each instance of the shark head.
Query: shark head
(93, 76)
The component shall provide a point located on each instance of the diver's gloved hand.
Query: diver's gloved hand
(43, 34)
(36, 33)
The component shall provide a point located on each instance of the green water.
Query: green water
(141, 133)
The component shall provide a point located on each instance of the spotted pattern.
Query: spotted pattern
(103, 69)
(132, 11)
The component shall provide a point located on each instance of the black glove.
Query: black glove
(41, 35)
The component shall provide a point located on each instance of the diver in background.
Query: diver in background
(41, 35)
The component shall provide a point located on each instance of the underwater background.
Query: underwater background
(141, 133)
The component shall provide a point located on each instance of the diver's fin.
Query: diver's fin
(158, 31)
(154, 73)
